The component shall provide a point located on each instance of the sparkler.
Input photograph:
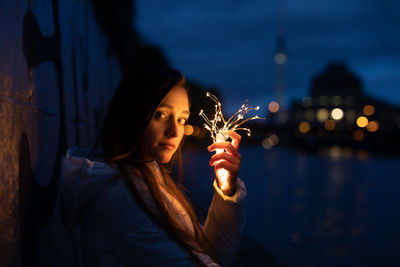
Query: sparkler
(218, 127)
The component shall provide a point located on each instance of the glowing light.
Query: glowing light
(350, 116)
(336, 100)
(283, 117)
(335, 152)
(273, 107)
(372, 126)
(358, 135)
(330, 125)
(322, 114)
(280, 58)
(270, 140)
(304, 127)
(309, 114)
(323, 100)
(218, 127)
(307, 101)
(368, 110)
(362, 121)
(349, 101)
(188, 129)
(337, 114)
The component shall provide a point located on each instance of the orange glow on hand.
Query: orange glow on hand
(222, 174)
(223, 179)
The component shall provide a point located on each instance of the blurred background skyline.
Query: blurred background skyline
(231, 45)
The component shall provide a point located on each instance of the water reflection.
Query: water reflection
(337, 208)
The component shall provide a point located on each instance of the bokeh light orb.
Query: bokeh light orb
(304, 127)
(358, 135)
(337, 114)
(322, 114)
(270, 140)
(330, 125)
(188, 129)
(362, 121)
(309, 114)
(372, 126)
(368, 110)
(273, 107)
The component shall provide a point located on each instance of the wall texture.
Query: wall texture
(58, 70)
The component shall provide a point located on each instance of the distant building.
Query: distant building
(338, 113)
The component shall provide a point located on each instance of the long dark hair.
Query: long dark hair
(131, 109)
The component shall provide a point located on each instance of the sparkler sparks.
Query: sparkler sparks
(218, 127)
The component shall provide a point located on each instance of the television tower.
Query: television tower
(280, 58)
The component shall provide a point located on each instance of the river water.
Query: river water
(311, 210)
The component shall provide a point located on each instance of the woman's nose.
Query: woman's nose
(172, 129)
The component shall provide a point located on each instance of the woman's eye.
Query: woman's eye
(160, 115)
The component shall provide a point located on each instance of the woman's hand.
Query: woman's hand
(227, 162)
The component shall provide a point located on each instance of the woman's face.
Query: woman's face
(165, 130)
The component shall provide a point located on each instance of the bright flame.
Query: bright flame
(233, 124)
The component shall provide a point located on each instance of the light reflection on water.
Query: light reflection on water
(305, 209)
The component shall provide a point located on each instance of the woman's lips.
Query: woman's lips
(168, 146)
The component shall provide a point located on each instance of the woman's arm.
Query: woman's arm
(225, 222)
(227, 212)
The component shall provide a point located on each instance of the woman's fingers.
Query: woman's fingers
(224, 156)
(236, 138)
(227, 146)
(231, 168)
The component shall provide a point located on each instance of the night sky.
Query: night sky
(229, 44)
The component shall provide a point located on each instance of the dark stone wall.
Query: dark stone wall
(58, 70)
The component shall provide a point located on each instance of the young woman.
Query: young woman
(123, 208)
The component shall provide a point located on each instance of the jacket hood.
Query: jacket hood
(81, 178)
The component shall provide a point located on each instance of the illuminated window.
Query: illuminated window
(307, 102)
(350, 115)
(349, 101)
(309, 114)
(323, 100)
(336, 100)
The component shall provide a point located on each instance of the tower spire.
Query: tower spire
(280, 58)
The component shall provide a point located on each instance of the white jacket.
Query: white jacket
(110, 228)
